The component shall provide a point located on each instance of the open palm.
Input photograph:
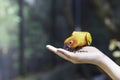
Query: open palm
(91, 55)
(87, 54)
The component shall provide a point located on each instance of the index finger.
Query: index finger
(51, 48)
(55, 50)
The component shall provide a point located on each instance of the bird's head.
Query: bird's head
(70, 43)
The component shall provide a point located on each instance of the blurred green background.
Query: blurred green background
(27, 26)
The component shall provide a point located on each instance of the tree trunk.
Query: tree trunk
(21, 37)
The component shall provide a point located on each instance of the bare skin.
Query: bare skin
(91, 55)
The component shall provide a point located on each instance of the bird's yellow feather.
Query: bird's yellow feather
(78, 39)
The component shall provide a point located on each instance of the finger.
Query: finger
(63, 56)
(66, 53)
(53, 49)
(73, 57)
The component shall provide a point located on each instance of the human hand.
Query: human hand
(87, 54)
(92, 55)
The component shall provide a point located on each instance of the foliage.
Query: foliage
(35, 35)
(9, 42)
(8, 24)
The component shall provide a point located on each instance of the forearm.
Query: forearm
(110, 67)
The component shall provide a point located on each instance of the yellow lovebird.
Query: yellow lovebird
(77, 39)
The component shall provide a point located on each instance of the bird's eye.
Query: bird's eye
(71, 42)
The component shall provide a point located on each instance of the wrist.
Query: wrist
(100, 60)
(109, 66)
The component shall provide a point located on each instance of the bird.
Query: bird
(77, 40)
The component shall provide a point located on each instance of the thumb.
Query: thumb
(66, 53)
